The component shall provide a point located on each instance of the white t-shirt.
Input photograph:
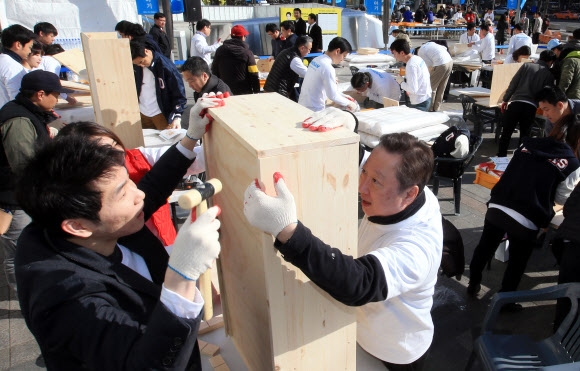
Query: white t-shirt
(200, 48)
(466, 39)
(148, 105)
(50, 64)
(434, 54)
(418, 84)
(486, 47)
(400, 329)
(384, 85)
(11, 74)
(517, 41)
(319, 84)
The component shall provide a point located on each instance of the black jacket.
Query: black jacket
(529, 183)
(281, 78)
(316, 34)
(162, 40)
(213, 85)
(290, 41)
(168, 86)
(90, 312)
(300, 27)
(234, 63)
(19, 107)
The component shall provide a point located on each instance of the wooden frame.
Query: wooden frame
(502, 76)
(277, 318)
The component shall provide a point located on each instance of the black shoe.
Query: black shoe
(473, 289)
(512, 308)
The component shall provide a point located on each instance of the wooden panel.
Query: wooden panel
(264, 65)
(276, 317)
(502, 76)
(73, 59)
(388, 102)
(112, 84)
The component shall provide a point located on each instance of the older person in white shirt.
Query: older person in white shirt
(416, 84)
(485, 46)
(199, 45)
(440, 64)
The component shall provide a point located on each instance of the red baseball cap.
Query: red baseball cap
(239, 30)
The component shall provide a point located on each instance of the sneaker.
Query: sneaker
(512, 308)
(473, 289)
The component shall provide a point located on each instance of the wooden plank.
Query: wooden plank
(112, 84)
(388, 102)
(73, 59)
(223, 367)
(367, 51)
(264, 65)
(210, 350)
(217, 361)
(277, 318)
(502, 76)
(457, 49)
(213, 324)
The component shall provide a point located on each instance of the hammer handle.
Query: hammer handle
(205, 278)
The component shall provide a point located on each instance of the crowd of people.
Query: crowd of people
(90, 217)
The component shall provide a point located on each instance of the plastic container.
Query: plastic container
(483, 178)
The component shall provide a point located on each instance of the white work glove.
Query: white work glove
(176, 123)
(198, 117)
(328, 119)
(196, 245)
(267, 213)
(52, 132)
(352, 106)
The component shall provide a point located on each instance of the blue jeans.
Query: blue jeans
(8, 240)
(423, 106)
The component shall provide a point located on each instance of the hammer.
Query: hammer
(197, 197)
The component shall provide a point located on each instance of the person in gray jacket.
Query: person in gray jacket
(521, 93)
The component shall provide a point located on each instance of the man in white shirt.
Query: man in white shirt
(485, 46)
(376, 85)
(199, 46)
(457, 16)
(440, 64)
(416, 84)
(488, 15)
(469, 36)
(320, 79)
(17, 41)
(518, 40)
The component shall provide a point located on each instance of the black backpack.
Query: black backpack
(445, 143)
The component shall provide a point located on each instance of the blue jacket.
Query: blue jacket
(168, 85)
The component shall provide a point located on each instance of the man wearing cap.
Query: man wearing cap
(23, 126)
(518, 40)
(234, 63)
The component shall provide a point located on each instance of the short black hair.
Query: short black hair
(53, 49)
(401, 45)
(159, 15)
(288, 25)
(196, 66)
(313, 16)
(470, 26)
(122, 26)
(137, 49)
(46, 28)
(518, 27)
(202, 24)
(523, 50)
(288, 13)
(297, 10)
(484, 27)
(135, 30)
(340, 43)
(16, 33)
(576, 34)
(359, 79)
(548, 56)
(272, 27)
(59, 181)
(551, 95)
(37, 48)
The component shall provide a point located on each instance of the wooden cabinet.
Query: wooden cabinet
(278, 319)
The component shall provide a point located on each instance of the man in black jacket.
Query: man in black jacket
(96, 288)
(159, 88)
(196, 73)
(23, 126)
(315, 32)
(159, 35)
(234, 63)
(287, 68)
(299, 24)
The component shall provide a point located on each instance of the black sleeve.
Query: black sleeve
(353, 282)
(161, 180)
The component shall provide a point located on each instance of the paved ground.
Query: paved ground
(457, 318)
